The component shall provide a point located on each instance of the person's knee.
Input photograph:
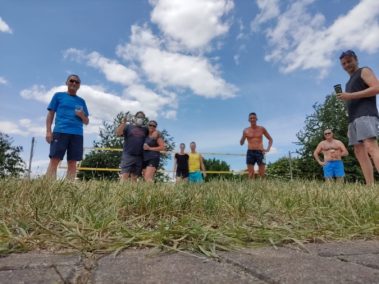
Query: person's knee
(371, 146)
(360, 150)
(54, 162)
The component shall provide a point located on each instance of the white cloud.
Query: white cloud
(39, 93)
(3, 81)
(104, 106)
(151, 101)
(269, 9)
(10, 127)
(301, 40)
(113, 71)
(194, 23)
(168, 69)
(23, 127)
(4, 27)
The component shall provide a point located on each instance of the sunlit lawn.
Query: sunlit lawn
(109, 216)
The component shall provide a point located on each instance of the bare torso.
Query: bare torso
(332, 150)
(254, 137)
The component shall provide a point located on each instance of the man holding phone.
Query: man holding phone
(360, 98)
(70, 112)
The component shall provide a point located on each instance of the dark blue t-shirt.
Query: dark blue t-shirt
(66, 120)
(134, 137)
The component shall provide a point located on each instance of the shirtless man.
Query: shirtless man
(255, 150)
(333, 150)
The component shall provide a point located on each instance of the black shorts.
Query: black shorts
(182, 173)
(62, 142)
(255, 156)
(131, 164)
(154, 162)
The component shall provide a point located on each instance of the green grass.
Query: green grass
(220, 215)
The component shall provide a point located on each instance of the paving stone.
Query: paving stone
(345, 262)
(344, 248)
(30, 275)
(40, 267)
(369, 260)
(284, 265)
(143, 266)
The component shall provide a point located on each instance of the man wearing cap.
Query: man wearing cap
(333, 150)
(360, 97)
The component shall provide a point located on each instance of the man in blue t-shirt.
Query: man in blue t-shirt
(70, 112)
(132, 154)
(360, 97)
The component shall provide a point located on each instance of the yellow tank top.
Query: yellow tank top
(194, 162)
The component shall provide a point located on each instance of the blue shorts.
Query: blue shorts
(131, 164)
(255, 156)
(334, 169)
(195, 177)
(62, 142)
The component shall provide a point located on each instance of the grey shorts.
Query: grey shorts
(362, 128)
(131, 164)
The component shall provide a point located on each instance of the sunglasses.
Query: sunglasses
(327, 133)
(152, 125)
(348, 53)
(74, 81)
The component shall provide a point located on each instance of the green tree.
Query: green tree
(331, 114)
(11, 163)
(282, 168)
(216, 165)
(111, 159)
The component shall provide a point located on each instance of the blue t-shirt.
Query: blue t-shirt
(66, 120)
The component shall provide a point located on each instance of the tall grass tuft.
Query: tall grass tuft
(220, 215)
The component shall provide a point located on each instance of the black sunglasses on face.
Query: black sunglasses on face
(152, 125)
(74, 81)
(327, 133)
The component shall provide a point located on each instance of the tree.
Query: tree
(281, 168)
(216, 165)
(11, 163)
(331, 114)
(110, 159)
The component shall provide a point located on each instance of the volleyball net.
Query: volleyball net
(171, 155)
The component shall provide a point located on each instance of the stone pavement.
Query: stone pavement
(337, 262)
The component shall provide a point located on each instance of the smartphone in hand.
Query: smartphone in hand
(338, 88)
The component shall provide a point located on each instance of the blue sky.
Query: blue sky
(198, 67)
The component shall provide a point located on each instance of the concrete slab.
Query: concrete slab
(369, 260)
(30, 275)
(344, 248)
(284, 265)
(38, 267)
(37, 259)
(144, 266)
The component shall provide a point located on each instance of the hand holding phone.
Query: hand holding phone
(338, 88)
